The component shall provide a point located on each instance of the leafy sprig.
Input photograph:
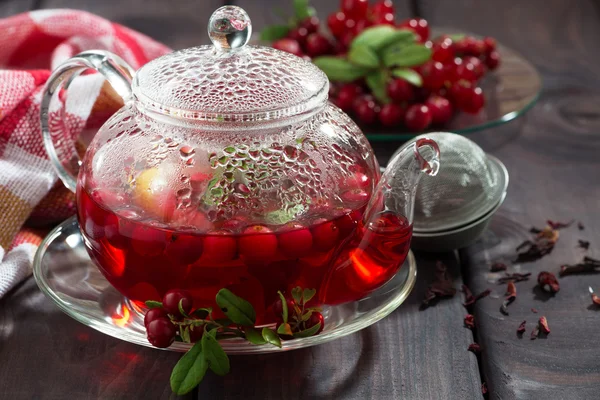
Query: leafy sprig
(302, 11)
(207, 353)
(378, 54)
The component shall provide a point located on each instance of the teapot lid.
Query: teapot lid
(230, 80)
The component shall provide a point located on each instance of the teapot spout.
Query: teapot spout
(395, 193)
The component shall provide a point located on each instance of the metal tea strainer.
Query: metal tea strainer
(470, 185)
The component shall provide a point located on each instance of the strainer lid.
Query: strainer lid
(230, 80)
(468, 185)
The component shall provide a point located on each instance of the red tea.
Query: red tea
(341, 257)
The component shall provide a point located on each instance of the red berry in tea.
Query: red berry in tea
(325, 235)
(258, 244)
(219, 247)
(183, 248)
(171, 301)
(196, 333)
(296, 241)
(154, 313)
(148, 241)
(161, 333)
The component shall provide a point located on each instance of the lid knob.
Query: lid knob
(229, 28)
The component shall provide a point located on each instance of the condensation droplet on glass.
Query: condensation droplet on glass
(186, 152)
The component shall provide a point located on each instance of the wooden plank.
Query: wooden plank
(552, 158)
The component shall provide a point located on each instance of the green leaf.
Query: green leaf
(274, 32)
(308, 294)
(400, 37)
(181, 310)
(224, 321)
(284, 215)
(237, 309)
(363, 56)
(308, 332)
(271, 337)
(284, 329)
(189, 370)
(202, 313)
(406, 56)
(374, 36)
(216, 357)
(185, 334)
(457, 37)
(338, 69)
(306, 316)
(408, 75)
(297, 294)
(377, 82)
(303, 10)
(254, 336)
(284, 306)
(153, 304)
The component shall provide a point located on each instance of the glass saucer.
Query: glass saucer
(65, 273)
(510, 91)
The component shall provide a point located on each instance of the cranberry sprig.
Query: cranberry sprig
(173, 319)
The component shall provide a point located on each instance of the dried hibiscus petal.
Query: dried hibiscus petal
(588, 264)
(521, 328)
(442, 286)
(544, 325)
(533, 310)
(470, 299)
(484, 388)
(584, 244)
(595, 299)
(470, 321)
(498, 266)
(548, 282)
(580, 226)
(516, 277)
(543, 244)
(474, 348)
(535, 332)
(559, 225)
(511, 295)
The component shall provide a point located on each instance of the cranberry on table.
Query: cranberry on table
(161, 333)
(337, 23)
(492, 60)
(478, 66)
(384, 19)
(315, 318)
(298, 34)
(288, 45)
(417, 25)
(154, 313)
(355, 8)
(418, 117)
(459, 91)
(489, 44)
(400, 90)
(296, 241)
(196, 333)
(171, 301)
(391, 115)
(360, 26)
(366, 110)
(317, 45)
(433, 75)
(348, 36)
(473, 100)
(441, 110)
(258, 244)
(325, 234)
(382, 7)
(462, 71)
(311, 24)
(443, 51)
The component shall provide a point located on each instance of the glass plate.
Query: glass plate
(510, 92)
(65, 273)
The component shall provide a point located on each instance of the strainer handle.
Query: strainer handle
(116, 71)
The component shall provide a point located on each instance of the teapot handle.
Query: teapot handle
(116, 71)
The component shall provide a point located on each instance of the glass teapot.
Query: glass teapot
(227, 168)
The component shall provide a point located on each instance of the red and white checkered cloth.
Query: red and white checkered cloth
(32, 44)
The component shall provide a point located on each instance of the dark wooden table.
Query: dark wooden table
(553, 157)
